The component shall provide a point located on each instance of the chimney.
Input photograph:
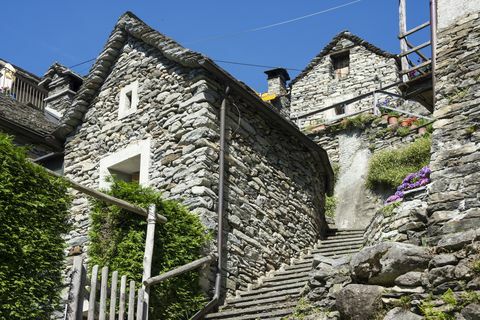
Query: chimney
(277, 85)
(62, 85)
(277, 81)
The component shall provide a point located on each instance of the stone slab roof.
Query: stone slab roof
(326, 50)
(25, 116)
(130, 25)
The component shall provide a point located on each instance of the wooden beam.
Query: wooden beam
(409, 32)
(178, 271)
(107, 198)
(402, 19)
(421, 65)
(419, 53)
(415, 49)
(147, 258)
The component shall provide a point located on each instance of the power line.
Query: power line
(219, 61)
(275, 24)
(253, 30)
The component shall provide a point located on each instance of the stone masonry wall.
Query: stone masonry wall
(172, 112)
(454, 205)
(319, 88)
(274, 191)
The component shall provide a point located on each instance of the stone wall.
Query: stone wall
(350, 150)
(405, 223)
(275, 189)
(319, 88)
(275, 194)
(453, 204)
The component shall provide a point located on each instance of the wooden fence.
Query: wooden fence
(102, 298)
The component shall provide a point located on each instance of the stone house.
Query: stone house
(347, 67)
(149, 111)
(28, 112)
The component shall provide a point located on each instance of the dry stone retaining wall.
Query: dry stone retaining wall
(454, 205)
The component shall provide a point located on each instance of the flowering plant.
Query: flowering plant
(411, 181)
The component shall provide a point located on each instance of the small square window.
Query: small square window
(341, 65)
(127, 170)
(128, 100)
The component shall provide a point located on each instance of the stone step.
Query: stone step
(287, 276)
(344, 236)
(343, 232)
(271, 289)
(260, 296)
(338, 245)
(340, 240)
(290, 271)
(336, 248)
(259, 312)
(261, 300)
(333, 253)
(280, 282)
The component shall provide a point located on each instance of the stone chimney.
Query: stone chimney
(277, 85)
(62, 85)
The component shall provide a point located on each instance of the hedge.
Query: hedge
(118, 241)
(33, 218)
(388, 168)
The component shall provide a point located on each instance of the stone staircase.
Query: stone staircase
(277, 296)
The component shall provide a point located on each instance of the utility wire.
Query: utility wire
(275, 24)
(219, 61)
(253, 30)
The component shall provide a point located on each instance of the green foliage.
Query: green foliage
(431, 313)
(118, 241)
(449, 298)
(305, 309)
(388, 168)
(403, 131)
(33, 218)
(476, 266)
(387, 210)
(330, 206)
(404, 302)
(468, 297)
(471, 130)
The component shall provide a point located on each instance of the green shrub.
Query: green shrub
(403, 131)
(330, 206)
(33, 218)
(388, 168)
(118, 241)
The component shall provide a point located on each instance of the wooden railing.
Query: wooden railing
(25, 91)
(410, 69)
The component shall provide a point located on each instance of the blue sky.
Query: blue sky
(37, 33)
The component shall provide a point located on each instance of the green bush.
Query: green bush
(33, 218)
(118, 241)
(330, 206)
(388, 168)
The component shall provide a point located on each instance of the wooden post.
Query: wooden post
(93, 293)
(113, 295)
(103, 294)
(75, 307)
(131, 301)
(123, 295)
(147, 258)
(402, 18)
(140, 304)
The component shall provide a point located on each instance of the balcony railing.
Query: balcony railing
(27, 92)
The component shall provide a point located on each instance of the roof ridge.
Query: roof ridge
(345, 34)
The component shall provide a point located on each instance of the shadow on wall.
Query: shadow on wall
(356, 204)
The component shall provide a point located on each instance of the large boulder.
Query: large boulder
(382, 263)
(401, 314)
(359, 302)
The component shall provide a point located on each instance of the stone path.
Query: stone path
(277, 296)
